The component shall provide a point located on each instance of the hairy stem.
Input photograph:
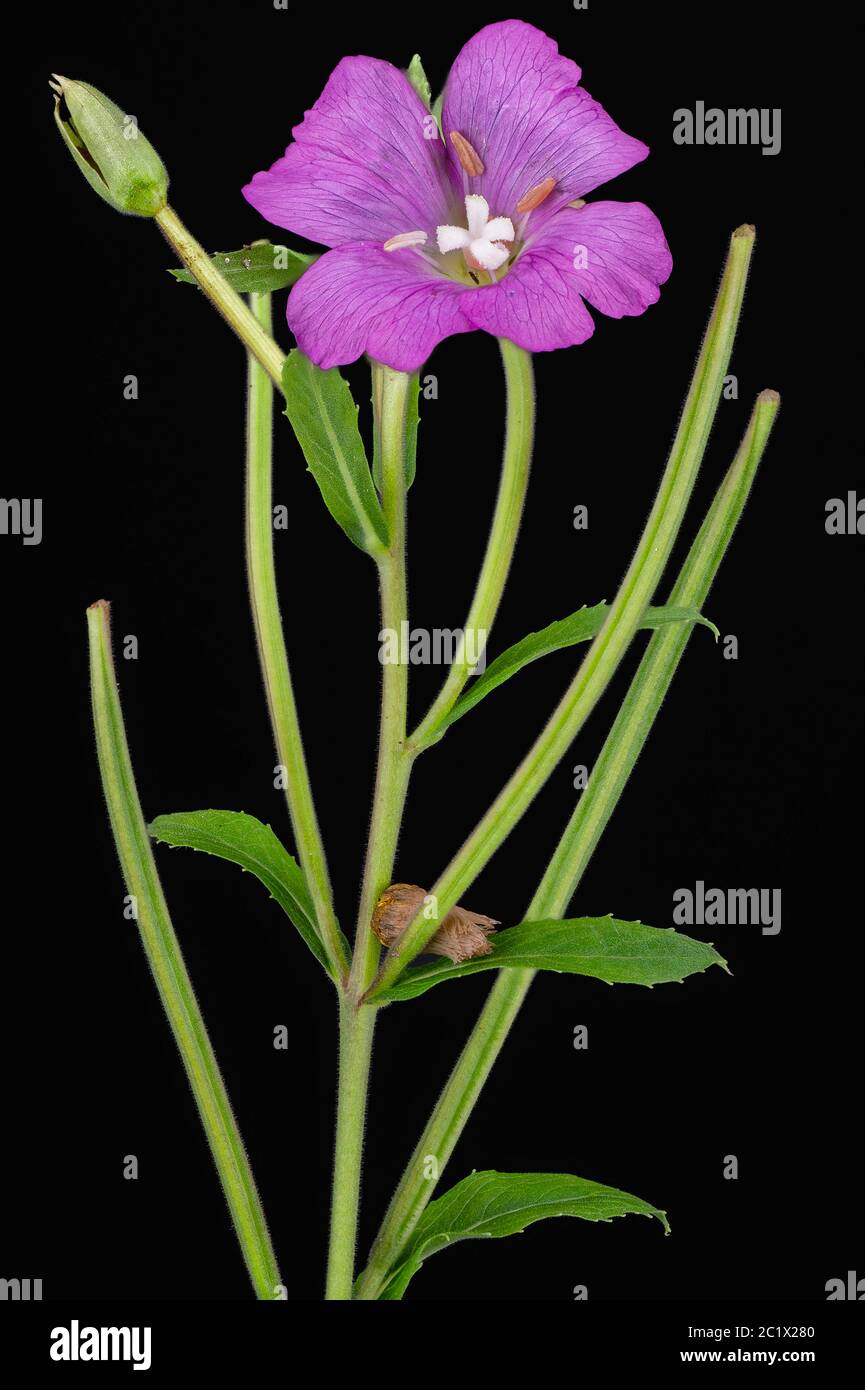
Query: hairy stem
(223, 298)
(355, 1050)
(396, 757)
(519, 436)
(356, 1024)
(166, 962)
(394, 767)
(654, 674)
(271, 646)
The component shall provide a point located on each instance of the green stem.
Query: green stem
(226, 300)
(519, 435)
(621, 624)
(397, 753)
(654, 674)
(394, 766)
(396, 758)
(166, 962)
(609, 776)
(356, 1024)
(271, 645)
(355, 1049)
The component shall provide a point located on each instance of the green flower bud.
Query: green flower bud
(110, 150)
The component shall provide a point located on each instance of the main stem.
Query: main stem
(397, 754)
(394, 767)
(355, 1051)
(271, 645)
(356, 1022)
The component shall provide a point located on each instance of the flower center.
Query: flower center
(484, 242)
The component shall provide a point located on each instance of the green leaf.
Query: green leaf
(323, 415)
(490, 1205)
(581, 626)
(243, 840)
(419, 80)
(262, 268)
(603, 947)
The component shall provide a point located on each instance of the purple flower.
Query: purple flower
(486, 229)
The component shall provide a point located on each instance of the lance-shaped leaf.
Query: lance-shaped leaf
(581, 626)
(488, 1205)
(260, 268)
(323, 415)
(603, 947)
(243, 840)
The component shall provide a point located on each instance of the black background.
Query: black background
(750, 777)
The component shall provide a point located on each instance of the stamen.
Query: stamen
(536, 195)
(396, 243)
(577, 203)
(467, 155)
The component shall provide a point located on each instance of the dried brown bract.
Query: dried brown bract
(461, 936)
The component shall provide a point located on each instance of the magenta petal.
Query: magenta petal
(613, 254)
(537, 305)
(623, 247)
(360, 299)
(518, 102)
(361, 167)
